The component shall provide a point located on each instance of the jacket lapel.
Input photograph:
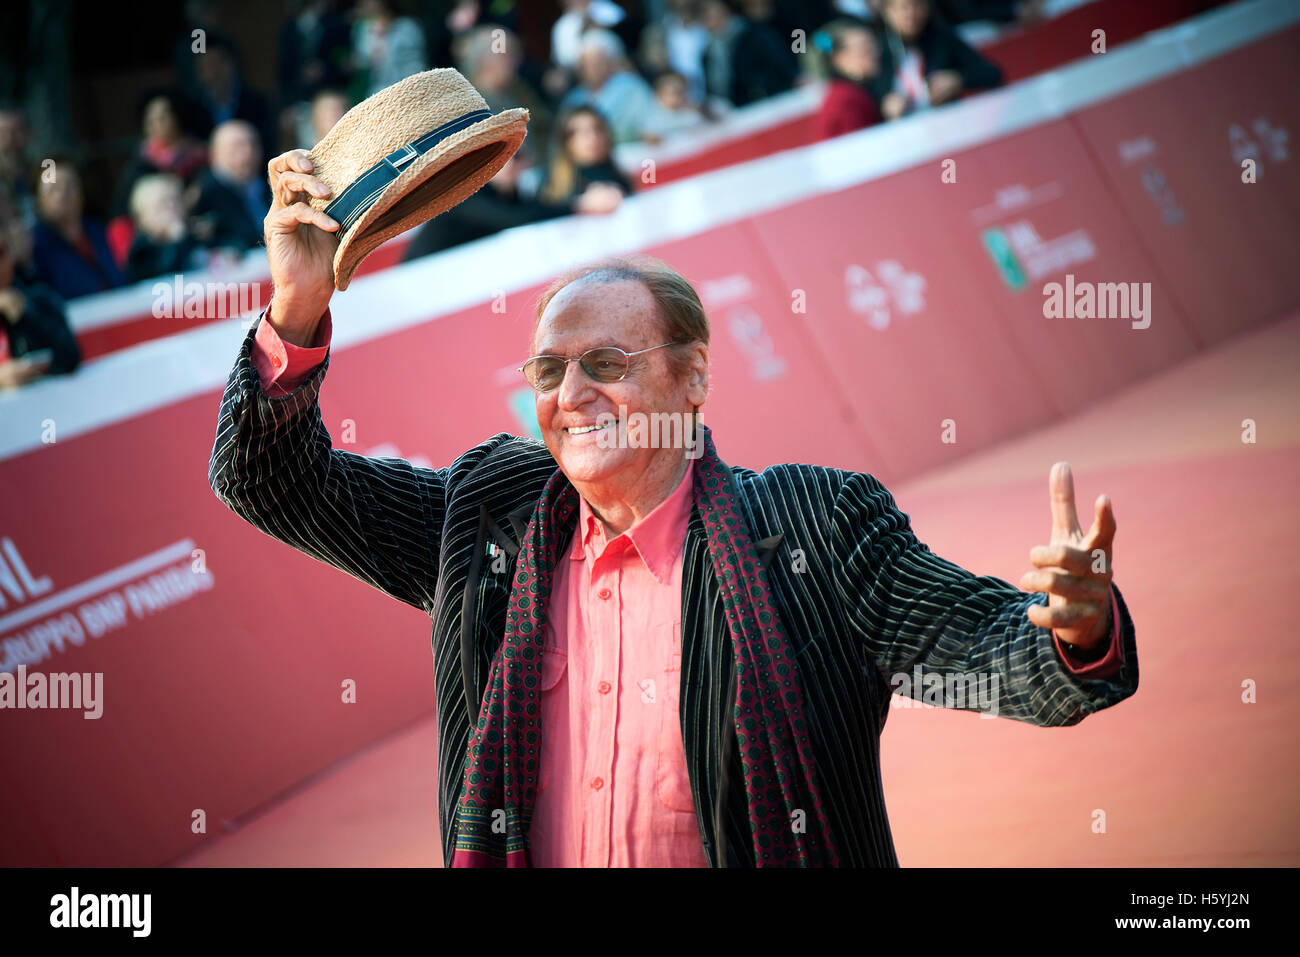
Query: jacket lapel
(519, 522)
(767, 548)
(488, 530)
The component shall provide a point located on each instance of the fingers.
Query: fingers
(1078, 561)
(1102, 532)
(1065, 520)
(291, 168)
(288, 219)
(291, 186)
(292, 160)
(1053, 581)
(1063, 616)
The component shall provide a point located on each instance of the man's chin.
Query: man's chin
(590, 463)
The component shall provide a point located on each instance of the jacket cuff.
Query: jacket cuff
(281, 366)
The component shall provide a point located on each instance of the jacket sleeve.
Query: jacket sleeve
(378, 519)
(920, 616)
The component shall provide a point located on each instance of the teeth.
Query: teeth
(583, 430)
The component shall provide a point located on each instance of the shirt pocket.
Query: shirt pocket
(672, 783)
(554, 665)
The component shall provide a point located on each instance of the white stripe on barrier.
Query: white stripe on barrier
(162, 371)
(129, 302)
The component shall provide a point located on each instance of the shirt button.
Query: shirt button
(597, 784)
(603, 687)
(604, 594)
(275, 361)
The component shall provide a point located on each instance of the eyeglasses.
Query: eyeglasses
(604, 364)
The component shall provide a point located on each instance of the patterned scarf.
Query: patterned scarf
(781, 780)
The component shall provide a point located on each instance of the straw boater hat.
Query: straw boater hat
(406, 154)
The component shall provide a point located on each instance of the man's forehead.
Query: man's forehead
(597, 313)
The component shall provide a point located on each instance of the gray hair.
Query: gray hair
(677, 304)
(605, 41)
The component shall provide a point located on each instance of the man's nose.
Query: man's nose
(574, 386)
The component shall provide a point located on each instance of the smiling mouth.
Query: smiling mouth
(585, 429)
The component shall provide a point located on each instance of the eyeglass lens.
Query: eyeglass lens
(604, 365)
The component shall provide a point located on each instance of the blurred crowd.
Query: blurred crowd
(194, 193)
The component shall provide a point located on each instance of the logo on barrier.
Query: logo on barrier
(47, 622)
(1262, 141)
(891, 292)
(522, 406)
(995, 241)
(1021, 255)
(748, 332)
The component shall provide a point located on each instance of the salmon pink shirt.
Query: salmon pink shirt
(613, 788)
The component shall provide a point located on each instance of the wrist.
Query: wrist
(296, 320)
(1099, 640)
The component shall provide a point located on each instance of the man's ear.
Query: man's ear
(697, 380)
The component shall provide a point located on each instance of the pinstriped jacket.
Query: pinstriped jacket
(861, 599)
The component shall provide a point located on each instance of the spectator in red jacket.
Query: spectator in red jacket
(853, 62)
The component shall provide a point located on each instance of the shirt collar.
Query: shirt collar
(657, 537)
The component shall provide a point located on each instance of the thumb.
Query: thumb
(1102, 532)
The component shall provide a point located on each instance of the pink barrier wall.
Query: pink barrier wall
(1225, 250)
(921, 301)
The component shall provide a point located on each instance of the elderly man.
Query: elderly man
(232, 195)
(605, 82)
(644, 656)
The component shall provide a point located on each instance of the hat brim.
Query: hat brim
(432, 184)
